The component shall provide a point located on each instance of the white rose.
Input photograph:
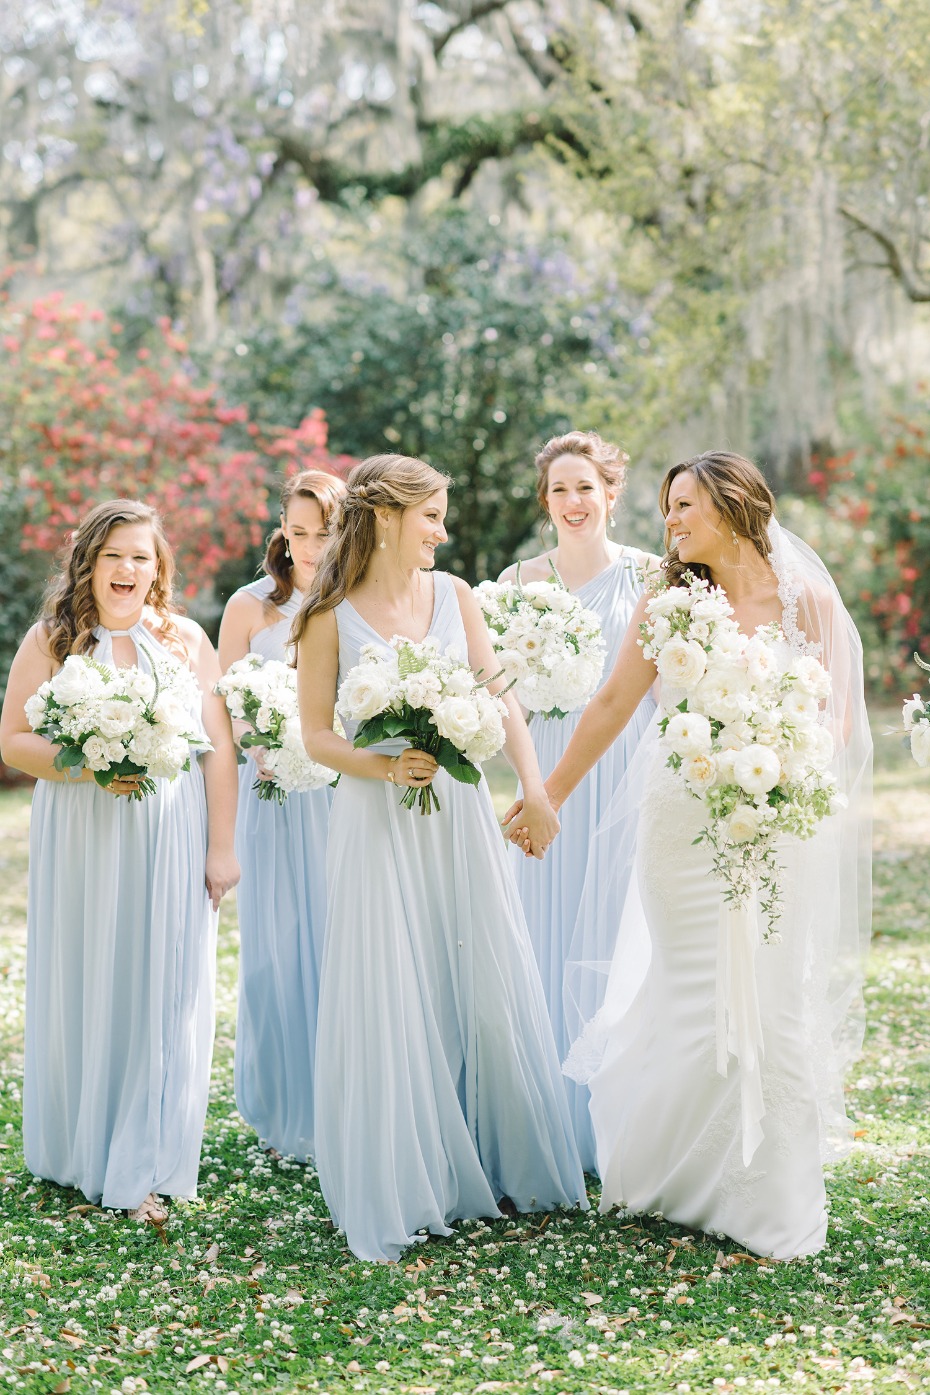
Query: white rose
(761, 663)
(681, 663)
(116, 718)
(800, 708)
(815, 744)
(169, 711)
(712, 607)
(688, 734)
(920, 743)
(513, 663)
(458, 720)
(76, 681)
(538, 593)
(729, 642)
(811, 675)
(756, 769)
(744, 823)
(529, 644)
(34, 709)
(364, 692)
(912, 711)
(699, 771)
(665, 602)
(97, 753)
(421, 689)
(661, 630)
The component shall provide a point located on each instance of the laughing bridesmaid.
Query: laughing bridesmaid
(579, 480)
(281, 849)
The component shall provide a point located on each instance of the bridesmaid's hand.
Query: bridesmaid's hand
(532, 824)
(416, 768)
(258, 756)
(123, 784)
(222, 875)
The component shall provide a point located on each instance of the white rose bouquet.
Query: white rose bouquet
(263, 692)
(742, 727)
(119, 722)
(432, 701)
(916, 714)
(549, 646)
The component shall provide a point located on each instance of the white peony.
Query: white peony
(170, 711)
(744, 823)
(761, 663)
(920, 743)
(688, 734)
(800, 708)
(810, 675)
(756, 769)
(815, 744)
(364, 692)
(681, 662)
(912, 711)
(723, 693)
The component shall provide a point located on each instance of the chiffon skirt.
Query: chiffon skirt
(282, 916)
(438, 1083)
(668, 1125)
(119, 990)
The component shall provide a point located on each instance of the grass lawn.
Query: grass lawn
(250, 1287)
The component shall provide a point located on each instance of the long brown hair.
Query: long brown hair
(609, 461)
(69, 612)
(395, 482)
(277, 563)
(738, 491)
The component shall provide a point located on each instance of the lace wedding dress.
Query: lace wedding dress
(694, 1117)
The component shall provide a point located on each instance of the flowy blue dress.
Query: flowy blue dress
(551, 889)
(121, 944)
(282, 915)
(438, 1087)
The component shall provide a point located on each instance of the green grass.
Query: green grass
(249, 1287)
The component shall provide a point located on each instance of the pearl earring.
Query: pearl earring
(287, 548)
(734, 537)
(550, 526)
(383, 543)
(611, 523)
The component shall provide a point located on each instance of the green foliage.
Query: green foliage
(22, 579)
(481, 348)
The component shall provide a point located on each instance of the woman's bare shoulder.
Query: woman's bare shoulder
(531, 569)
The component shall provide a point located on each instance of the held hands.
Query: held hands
(531, 823)
(412, 768)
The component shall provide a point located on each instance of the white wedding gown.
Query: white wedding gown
(674, 1134)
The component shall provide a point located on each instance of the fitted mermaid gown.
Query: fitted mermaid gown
(551, 889)
(119, 982)
(438, 1086)
(281, 896)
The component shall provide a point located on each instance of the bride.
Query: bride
(673, 1079)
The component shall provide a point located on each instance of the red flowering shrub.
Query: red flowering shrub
(78, 425)
(872, 528)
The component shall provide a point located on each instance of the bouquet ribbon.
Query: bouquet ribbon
(739, 1022)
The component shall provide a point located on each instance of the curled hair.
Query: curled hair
(609, 460)
(738, 491)
(327, 490)
(69, 611)
(395, 482)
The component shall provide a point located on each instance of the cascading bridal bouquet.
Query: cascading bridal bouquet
(432, 701)
(263, 692)
(746, 737)
(119, 722)
(916, 714)
(550, 648)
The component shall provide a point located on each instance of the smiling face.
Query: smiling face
(578, 501)
(695, 527)
(306, 535)
(419, 531)
(123, 573)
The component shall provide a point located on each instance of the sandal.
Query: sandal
(152, 1209)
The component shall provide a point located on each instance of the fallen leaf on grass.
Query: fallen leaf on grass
(203, 1359)
(71, 1337)
(592, 1299)
(212, 1253)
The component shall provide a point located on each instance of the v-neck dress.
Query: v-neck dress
(438, 1086)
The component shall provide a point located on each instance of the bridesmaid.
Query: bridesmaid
(282, 851)
(438, 1091)
(579, 479)
(121, 918)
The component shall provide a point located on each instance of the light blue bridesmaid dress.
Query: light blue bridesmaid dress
(119, 981)
(438, 1087)
(551, 890)
(282, 916)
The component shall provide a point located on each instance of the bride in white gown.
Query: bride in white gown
(673, 1081)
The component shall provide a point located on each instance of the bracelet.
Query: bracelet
(390, 774)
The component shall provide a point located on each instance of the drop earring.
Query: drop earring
(550, 526)
(734, 537)
(611, 523)
(384, 542)
(287, 547)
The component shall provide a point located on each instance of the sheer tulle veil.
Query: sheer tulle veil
(826, 882)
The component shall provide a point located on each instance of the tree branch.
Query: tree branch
(480, 10)
(906, 276)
